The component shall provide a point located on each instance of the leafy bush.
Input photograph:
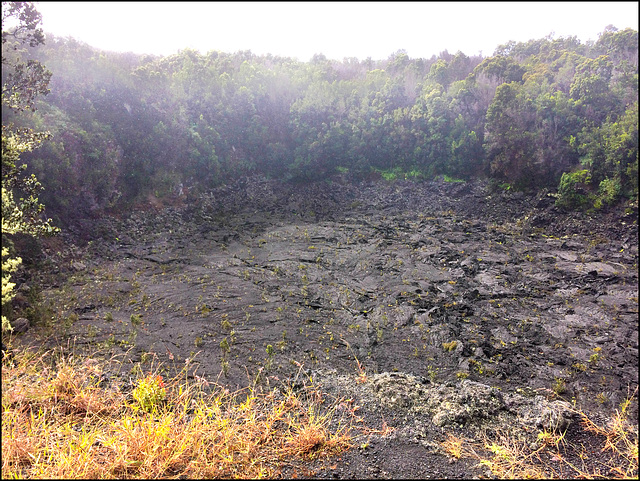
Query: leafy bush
(571, 190)
(609, 190)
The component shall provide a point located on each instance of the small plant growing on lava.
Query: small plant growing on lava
(136, 320)
(450, 346)
(224, 345)
(579, 367)
(150, 393)
(270, 353)
(559, 386)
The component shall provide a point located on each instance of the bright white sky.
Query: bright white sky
(336, 29)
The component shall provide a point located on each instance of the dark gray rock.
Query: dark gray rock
(20, 325)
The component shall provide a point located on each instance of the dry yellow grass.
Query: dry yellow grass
(621, 439)
(58, 422)
(612, 452)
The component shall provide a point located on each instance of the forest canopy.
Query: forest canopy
(548, 113)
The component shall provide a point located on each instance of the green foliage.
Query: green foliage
(22, 82)
(21, 215)
(397, 173)
(610, 157)
(136, 320)
(559, 386)
(510, 134)
(126, 126)
(414, 174)
(9, 265)
(450, 179)
(591, 90)
(610, 151)
(270, 354)
(390, 175)
(27, 31)
(150, 393)
(572, 191)
(466, 154)
(501, 68)
(609, 190)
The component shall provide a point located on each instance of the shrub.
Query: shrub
(150, 393)
(571, 190)
(609, 190)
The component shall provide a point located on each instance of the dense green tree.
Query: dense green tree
(556, 124)
(467, 155)
(510, 135)
(591, 88)
(431, 123)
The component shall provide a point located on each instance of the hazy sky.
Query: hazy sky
(336, 29)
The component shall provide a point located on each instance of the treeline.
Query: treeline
(552, 113)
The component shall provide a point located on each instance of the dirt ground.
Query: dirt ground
(427, 290)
